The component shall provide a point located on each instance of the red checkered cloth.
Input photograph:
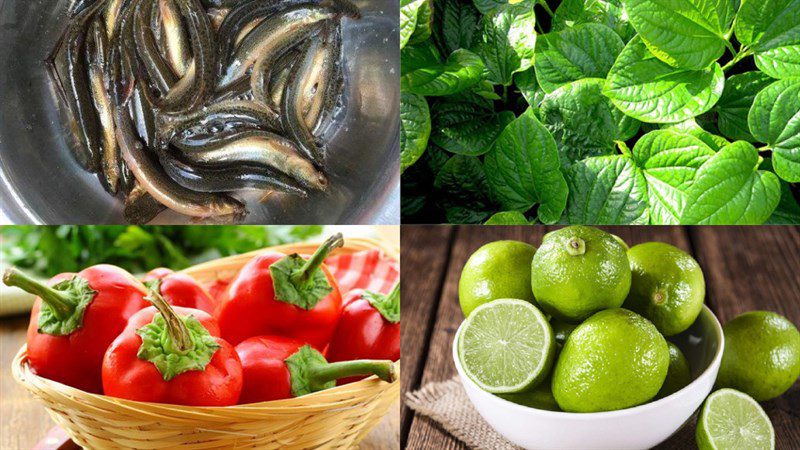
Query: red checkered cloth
(371, 270)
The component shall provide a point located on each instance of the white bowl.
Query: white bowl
(640, 427)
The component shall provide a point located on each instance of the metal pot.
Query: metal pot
(40, 182)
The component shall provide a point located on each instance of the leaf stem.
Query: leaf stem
(546, 7)
(743, 53)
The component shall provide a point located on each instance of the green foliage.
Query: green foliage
(603, 112)
(49, 250)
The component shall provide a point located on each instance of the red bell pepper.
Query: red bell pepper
(172, 355)
(179, 289)
(369, 328)
(277, 367)
(276, 294)
(74, 320)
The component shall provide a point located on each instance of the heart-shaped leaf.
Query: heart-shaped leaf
(730, 190)
(605, 12)
(775, 119)
(583, 122)
(771, 28)
(734, 105)
(669, 161)
(415, 127)
(523, 169)
(508, 41)
(583, 51)
(462, 190)
(464, 128)
(607, 190)
(433, 78)
(648, 89)
(689, 34)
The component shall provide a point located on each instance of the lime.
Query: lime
(762, 355)
(541, 397)
(731, 420)
(667, 286)
(678, 373)
(614, 360)
(499, 269)
(561, 330)
(619, 239)
(506, 346)
(578, 271)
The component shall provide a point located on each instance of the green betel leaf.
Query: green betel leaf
(508, 42)
(771, 29)
(462, 189)
(607, 190)
(734, 105)
(788, 210)
(608, 13)
(409, 10)
(691, 128)
(775, 119)
(459, 24)
(669, 161)
(689, 34)
(583, 51)
(461, 70)
(583, 122)
(507, 218)
(424, 26)
(646, 88)
(529, 87)
(523, 169)
(465, 128)
(415, 128)
(729, 189)
(487, 6)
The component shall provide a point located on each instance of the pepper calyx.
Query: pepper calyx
(302, 282)
(63, 304)
(174, 344)
(387, 305)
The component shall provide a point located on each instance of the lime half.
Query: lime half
(506, 346)
(733, 420)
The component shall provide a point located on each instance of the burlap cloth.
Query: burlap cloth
(447, 404)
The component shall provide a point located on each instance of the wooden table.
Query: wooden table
(746, 268)
(23, 421)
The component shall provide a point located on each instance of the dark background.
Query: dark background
(746, 268)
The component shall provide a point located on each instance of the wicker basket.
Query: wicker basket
(336, 418)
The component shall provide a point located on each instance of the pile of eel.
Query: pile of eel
(180, 104)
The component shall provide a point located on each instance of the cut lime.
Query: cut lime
(733, 420)
(506, 346)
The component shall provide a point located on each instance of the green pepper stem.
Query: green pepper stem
(178, 340)
(304, 274)
(62, 303)
(319, 374)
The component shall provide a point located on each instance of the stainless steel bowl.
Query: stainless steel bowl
(40, 182)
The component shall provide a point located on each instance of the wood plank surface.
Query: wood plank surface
(746, 268)
(425, 289)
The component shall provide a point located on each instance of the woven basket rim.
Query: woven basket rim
(322, 400)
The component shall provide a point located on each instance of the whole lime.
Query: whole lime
(578, 271)
(540, 397)
(761, 356)
(615, 359)
(499, 269)
(678, 374)
(667, 286)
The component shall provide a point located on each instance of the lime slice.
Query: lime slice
(733, 420)
(506, 346)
